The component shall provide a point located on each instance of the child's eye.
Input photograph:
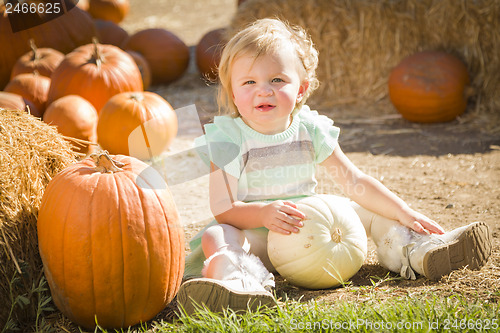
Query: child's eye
(277, 79)
(249, 82)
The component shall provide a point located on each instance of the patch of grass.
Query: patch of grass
(39, 293)
(425, 313)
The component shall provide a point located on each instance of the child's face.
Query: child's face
(266, 89)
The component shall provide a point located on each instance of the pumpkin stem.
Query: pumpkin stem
(104, 163)
(36, 55)
(337, 235)
(137, 97)
(97, 56)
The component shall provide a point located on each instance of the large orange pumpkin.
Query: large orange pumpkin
(111, 242)
(64, 33)
(43, 60)
(208, 52)
(167, 55)
(96, 72)
(75, 117)
(139, 124)
(33, 87)
(111, 10)
(429, 87)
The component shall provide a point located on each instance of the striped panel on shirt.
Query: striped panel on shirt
(278, 171)
(296, 152)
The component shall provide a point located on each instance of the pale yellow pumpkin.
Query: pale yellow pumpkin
(329, 249)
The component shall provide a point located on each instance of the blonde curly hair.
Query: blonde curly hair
(263, 37)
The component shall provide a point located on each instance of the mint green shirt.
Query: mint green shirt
(270, 167)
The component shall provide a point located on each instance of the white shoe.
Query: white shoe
(218, 295)
(437, 255)
(235, 280)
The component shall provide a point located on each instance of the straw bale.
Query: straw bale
(360, 41)
(31, 153)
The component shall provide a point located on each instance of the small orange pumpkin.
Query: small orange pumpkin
(429, 87)
(111, 241)
(139, 124)
(110, 32)
(43, 60)
(33, 87)
(75, 117)
(167, 55)
(11, 101)
(208, 53)
(112, 10)
(96, 72)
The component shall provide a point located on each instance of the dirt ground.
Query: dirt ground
(450, 172)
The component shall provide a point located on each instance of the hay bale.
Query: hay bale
(31, 153)
(360, 41)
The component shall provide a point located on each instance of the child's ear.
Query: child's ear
(302, 90)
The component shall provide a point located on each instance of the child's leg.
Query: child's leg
(388, 235)
(404, 251)
(226, 246)
(234, 277)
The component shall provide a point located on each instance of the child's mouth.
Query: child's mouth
(264, 107)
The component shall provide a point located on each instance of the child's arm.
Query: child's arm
(373, 195)
(280, 215)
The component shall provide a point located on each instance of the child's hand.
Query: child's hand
(282, 216)
(419, 222)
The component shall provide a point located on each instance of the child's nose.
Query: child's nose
(265, 90)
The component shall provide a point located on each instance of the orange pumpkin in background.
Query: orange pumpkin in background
(110, 32)
(144, 68)
(11, 101)
(429, 87)
(208, 53)
(64, 33)
(74, 117)
(43, 60)
(111, 10)
(167, 55)
(111, 242)
(96, 72)
(33, 87)
(139, 124)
